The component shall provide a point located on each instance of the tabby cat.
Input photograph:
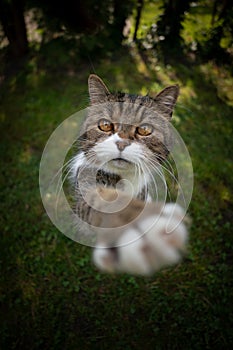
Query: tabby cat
(124, 140)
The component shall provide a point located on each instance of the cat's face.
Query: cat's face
(123, 131)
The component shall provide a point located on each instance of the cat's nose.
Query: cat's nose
(122, 144)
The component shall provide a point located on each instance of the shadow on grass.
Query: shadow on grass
(51, 295)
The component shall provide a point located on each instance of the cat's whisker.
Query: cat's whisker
(172, 177)
(63, 168)
(142, 174)
(155, 187)
(60, 172)
(164, 163)
(60, 189)
(155, 166)
(167, 164)
(158, 164)
(169, 172)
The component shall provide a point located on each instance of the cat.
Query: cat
(123, 141)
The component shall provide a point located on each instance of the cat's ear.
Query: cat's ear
(166, 99)
(98, 91)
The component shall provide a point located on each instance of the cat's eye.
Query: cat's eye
(105, 125)
(144, 130)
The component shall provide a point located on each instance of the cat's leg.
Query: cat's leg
(152, 242)
(162, 244)
(133, 236)
(129, 258)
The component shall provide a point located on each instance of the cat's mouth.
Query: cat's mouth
(120, 162)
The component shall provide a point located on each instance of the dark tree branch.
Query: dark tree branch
(138, 17)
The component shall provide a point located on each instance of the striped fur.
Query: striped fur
(112, 176)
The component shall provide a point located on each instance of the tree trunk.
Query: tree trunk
(170, 22)
(122, 10)
(223, 17)
(12, 19)
(138, 17)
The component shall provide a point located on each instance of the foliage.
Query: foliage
(188, 27)
(169, 24)
(14, 27)
(213, 35)
(166, 25)
(94, 24)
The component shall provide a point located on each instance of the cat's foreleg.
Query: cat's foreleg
(149, 244)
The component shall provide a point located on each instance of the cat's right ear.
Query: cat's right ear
(98, 91)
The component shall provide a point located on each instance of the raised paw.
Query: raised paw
(155, 242)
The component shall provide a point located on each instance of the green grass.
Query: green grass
(51, 295)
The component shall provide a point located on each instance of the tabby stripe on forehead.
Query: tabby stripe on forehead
(120, 106)
(141, 114)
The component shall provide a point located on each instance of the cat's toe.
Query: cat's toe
(178, 237)
(105, 259)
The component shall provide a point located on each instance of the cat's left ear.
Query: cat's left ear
(98, 91)
(166, 99)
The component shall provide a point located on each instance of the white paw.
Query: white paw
(131, 255)
(104, 259)
(174, 209)
(157, 242)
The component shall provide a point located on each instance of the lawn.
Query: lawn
(51, 295)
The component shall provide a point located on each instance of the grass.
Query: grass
(51, 295)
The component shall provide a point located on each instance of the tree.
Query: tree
(101, 21)
(98, 24)
(170, 23)
(13, 23)
(222, 23)
(138, 17)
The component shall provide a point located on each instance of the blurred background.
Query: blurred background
(51, 295)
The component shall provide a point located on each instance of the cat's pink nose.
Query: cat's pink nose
(122, 144)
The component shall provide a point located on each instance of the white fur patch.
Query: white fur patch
(76, 163)
(165, 253)
(144, 254)
(108, 150)
(104, 259)
(131, 256)
(175, 209)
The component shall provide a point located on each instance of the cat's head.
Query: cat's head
(124, 130)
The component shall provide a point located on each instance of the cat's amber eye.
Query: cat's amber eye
(105, 125)
(144, 130)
